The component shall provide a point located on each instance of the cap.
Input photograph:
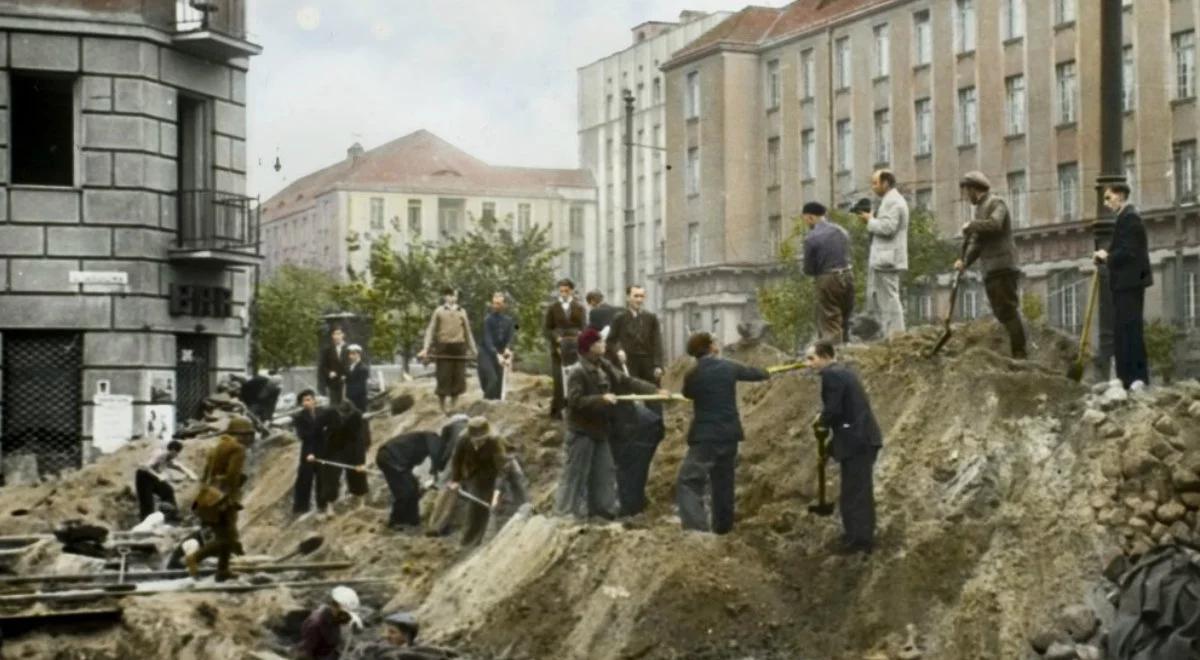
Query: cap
(354, 348)
(478, 427)
(863, 205)
(977, 179)
(239, 425)
(814, 208)
(587, 338)
(403, 620)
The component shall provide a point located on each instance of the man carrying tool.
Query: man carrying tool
(888, 228)
(321, 632)
(827, 260)
(348, 442)
(714, 435)
(565, 319)
(312, 425)
(846, 413)
(150, 482)
(495, 354)
(476, 471)
(449, 337)
(636, 338)
(989, 239)
(1129, 275)
(331, 371)
(397, 458)
(219, 500)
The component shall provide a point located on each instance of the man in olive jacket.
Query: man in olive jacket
(220, 497)
(989, 240)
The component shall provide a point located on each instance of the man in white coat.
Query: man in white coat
(888, 228)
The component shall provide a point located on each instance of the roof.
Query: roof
(422, 162)
(748, 27)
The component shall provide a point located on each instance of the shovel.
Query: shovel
(1075, 371)
(953, 299)
(780, 368)
(306, 547)
(822, 507)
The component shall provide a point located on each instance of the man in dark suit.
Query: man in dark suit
(312, 425)
(357, 375)
(636, 338)
(565, 319)
(331, 372)
(399, 456)
(1129, 275)
(846, 412)
(714, 435)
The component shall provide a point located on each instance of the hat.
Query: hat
(404, 621)
(354, 348)
(478, 427)
(976, 179)
(863, 205)
(347, 599)
(239, 425)
(587, 338)
(814, 208)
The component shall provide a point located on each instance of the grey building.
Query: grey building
(127, 241)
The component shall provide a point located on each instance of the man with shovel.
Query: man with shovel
(476, 471)
(450, 344)
(399, 456)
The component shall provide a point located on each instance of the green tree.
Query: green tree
(1160, 338)
(1032, 307)
(290, 305)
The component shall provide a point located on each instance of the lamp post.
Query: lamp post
(1111, 166)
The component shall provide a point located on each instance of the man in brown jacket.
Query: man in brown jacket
(989, 240)
(449, 335)
(220, 497)
(478, 467)
(565, 319)
(636, 338)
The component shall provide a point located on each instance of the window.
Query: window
(968, 116)
(808, 154)
(450, 215)
(773, 162)
(841, 66)
(693, 244)
(883, 136)
(576, 221)
(1067, 92)
(970, 304)
(808, 74)
(1184, 45)
(1014, 105)
(524, 217)
(1068, 300)
(692, 96)
(923, 39)
(772, 84)
(923, 199)
(924, 127)
(1064, 11)
(656, 90)
(414, 217)
(1068, 190)
(964, 25)
(1012, 21)
(1185, 171)
(576, 267)
(1018, 199)
(376, 214)
(1128, 85)
(1129, 163)
(845, 146)
(692, 173)
(882, 55)
(43, 130)
(774, 234)
(608, 107)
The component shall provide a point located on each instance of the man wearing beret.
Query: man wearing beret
(827, 259)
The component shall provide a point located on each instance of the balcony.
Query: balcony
(217, 229)
(213, 29)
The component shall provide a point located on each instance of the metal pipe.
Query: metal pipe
(630, 245)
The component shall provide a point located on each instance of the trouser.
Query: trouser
(707, 464)
(1129, 343)
(633, 444)
(148, 486)
(835, 304)
(565, 356)
(857, 499)
(306, 475)
(477, 515)
(337, 390)
(1003, 293)
(641, 366)
(883, 300)
(451, 374)
(587, 484)
(329, 483)
(224, 542)
(490, 374)
(406, 492)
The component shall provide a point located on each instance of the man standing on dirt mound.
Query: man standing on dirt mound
(565, 319)
(220, 497)
(846, 412)
(827, 261)
(713, 437)
(449, 336)
(1129, 275)
(399, 456)
(637, 339)
(888, 258)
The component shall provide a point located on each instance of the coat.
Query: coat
(313, 430)
(348, 436)
(587, 383)
(498, 331)
(1129, 253)
(989, 237)
(223, 469)
(846, 411)
(482, 466)
(601, 317)
(712, 387)
(356, 384)
(637, 335)
(331, 362)
(408, 450)
(557, 324)
(889, 233)
(320, 636)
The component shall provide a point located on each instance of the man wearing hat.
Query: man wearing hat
(988, 238)
(478, 467)
(586, 487)
(888, 259)
(357, 375)
(827, 259)
(449, 336)
(321, 632)
(219, 500)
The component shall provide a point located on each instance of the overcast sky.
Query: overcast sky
(497, 79)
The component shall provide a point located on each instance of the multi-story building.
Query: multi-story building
(127, 242)
(775, 107)
(602, 87)
(419, 188)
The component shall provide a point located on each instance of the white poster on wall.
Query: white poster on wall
(112, 421)
(160, 423)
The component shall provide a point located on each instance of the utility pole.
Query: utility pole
(630, 225)
(1112, 147)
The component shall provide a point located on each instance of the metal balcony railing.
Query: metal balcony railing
(225, 16)
(211, 220)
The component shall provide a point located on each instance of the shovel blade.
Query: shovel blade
(1075, 371)
(941, 342)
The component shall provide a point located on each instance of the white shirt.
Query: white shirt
(566, 306)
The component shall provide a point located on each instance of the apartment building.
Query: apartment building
(775, 107)
(616, 254)
(127, 240)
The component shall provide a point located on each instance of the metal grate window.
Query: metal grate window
(42, 398)
(193, 360)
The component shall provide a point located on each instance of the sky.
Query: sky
(496, 79)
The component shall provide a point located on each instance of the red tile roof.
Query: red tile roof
(747, 27)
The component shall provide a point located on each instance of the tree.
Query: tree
(1160, 338)
(290, 305)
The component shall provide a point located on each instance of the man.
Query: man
(358, 374)
(496, 354)
(348, 442)
(846, 411)
(637, 431)
(331, 371)
(478, 467)
(397, 458)
(219, 500)
(827, 259)
(713, 437)
(565, 319)
(637, 339)
(989, 239)
(150, 481)
(888, 229)
(321, 632)
(312, 425)
(585, 487)
(398, 641)
(1129, 275)
(261, 394)
(449, 336)
(600, 314)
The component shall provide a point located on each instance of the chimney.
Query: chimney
(354, 151)
(689, 15)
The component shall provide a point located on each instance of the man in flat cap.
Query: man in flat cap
(827, 259)
(988, 238)
(220, 497)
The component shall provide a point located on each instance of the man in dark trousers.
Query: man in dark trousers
(331, 372)
(989, 240)
(637, 431)
(358, 374)
(565, 319)
(397, 458)
(827, 260)
(1129, 275)
(846, 412)
(312, 425)
(600, 314)
(347, 444)
(495, 353)
(636, 338)
(150, 481)
(450, 344)
(479, 467)
(714, 435)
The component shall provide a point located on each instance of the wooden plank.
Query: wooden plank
(16, 624)
(99, 594)
(132, 576)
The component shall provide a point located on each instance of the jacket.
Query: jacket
(1129, 253)
(480, 466)
(557, 324)
(498, 330)
(313, 430)
(348, 437)
(223, 469)
(846, 411)
(587, 382)
(601, 317)
(712, 387)
(332, 362)
(989, 237)
(356, 384)
(889, 233)
(407, 450)
(637, 335)
(320, 636)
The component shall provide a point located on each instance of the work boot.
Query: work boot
(1016, 338)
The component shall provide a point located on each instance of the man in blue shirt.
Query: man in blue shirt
(496, 353)
(827, 258)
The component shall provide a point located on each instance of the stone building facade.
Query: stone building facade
(127, 241)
